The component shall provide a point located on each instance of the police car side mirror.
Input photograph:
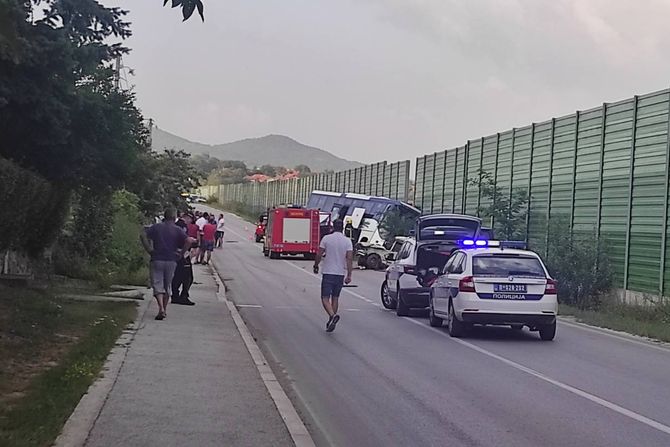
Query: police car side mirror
(390, 257)
(412, 232)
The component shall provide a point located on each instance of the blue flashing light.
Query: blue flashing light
(478, 243)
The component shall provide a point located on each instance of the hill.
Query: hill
(275, 150)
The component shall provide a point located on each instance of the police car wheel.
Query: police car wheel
(432, 319)
(548, 331)
(455, 327)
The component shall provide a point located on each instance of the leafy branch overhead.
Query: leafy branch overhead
(187, 7)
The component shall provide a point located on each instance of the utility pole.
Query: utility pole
(117, 73)
(151, 131)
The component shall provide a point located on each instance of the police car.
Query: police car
(489, 282)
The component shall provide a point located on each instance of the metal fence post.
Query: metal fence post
(574, 172)
(466, 164)
(551, 176)
(511, 175)
(664, 236)
(603, 128)
(630, 194)
(432, 184)
(444, 180)
(530, 180)
(453, 191)
(481, 169)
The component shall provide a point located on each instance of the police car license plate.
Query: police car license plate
(509, 292)
(509, 288)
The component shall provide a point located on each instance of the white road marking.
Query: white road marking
(255, 306)
(602, 402)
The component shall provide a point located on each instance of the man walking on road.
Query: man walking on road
(165, 242)
(337, 253)
(220, 223)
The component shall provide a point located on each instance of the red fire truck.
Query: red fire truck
(292, 231)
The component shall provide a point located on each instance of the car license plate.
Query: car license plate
(509, 288)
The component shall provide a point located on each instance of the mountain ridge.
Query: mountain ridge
(272, 149)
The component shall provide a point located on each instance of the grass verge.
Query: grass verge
(52, 349)
(646, 321)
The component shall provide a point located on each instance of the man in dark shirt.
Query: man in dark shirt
(165, 242)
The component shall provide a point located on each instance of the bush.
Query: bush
(579, 263)
(119, 257)
(32, 210)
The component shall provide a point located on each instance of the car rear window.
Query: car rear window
(449, 229)
(507, 265)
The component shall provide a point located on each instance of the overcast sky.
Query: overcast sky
(373, 80)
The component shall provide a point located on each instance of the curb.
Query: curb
(295, 426)
(80, 423)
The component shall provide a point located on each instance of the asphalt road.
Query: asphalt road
(384, 380)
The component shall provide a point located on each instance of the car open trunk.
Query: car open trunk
(431, 257)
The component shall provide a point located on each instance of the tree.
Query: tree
(161, 178)
(508, 213)
(60, 114)
(303, 170)
(268, 170)
(188, 7)
(395, 224)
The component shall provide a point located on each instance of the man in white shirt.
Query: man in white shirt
(202, 220)
(219, 231)
(337, 253)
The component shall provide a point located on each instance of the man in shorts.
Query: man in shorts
(337, 253)
(165, 242)
(208, 240)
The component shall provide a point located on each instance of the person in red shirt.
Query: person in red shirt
(208, 238)
(193, 231)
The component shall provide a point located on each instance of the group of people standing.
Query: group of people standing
(175, 244)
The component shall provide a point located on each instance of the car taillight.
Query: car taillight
(409, 269)
(466, 284)
(551, 288)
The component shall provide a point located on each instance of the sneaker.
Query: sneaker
(330, 320)
(333, 323)
(160, 316)
(184, 302)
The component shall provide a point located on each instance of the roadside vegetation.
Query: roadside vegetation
(651, 321)
(52, 349)
(79, 179)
